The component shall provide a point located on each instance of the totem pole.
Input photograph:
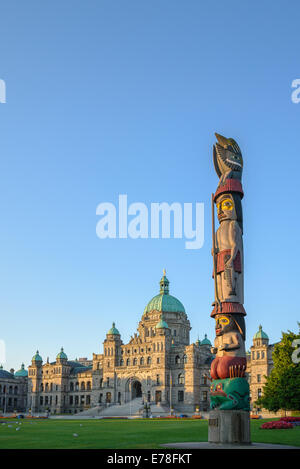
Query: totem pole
(229, 393)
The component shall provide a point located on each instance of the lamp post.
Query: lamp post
(5, 399)
(170, 392)
(130, 394)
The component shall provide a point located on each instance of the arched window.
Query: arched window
(128, 362)
(16, 390)
(71, 386)
(142, 361)
(88, 385)
(149, 361)
(77, 386)
(135, 361)
(177, 360)
(184, 359)
(42, 387)
(82, 386)
(121, 362)
(181, 378)
(101, 384)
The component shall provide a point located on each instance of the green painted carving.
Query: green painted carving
(230, 394)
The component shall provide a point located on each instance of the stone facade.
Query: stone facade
(259, 364)
(158, 364)
(13, 390)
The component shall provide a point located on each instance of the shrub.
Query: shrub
(290, 419)
(276, 425)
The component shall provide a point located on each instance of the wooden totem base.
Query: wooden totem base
(229, 426)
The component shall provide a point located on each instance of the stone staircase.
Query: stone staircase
(132, 409)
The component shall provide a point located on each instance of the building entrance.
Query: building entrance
(136, 389)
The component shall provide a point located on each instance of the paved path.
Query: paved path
(206, 445)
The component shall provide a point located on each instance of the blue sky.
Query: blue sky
(113, 97)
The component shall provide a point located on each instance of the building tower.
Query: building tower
(34, 385)
(261, 363)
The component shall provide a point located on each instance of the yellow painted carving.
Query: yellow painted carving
(226, 204)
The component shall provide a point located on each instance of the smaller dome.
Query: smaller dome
(206, 341)
(22, 372)
(61, 355)
(37, 357)
(162, 324)
(113, 330)
(5, 374)
(260, 334)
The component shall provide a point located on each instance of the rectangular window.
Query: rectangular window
(180, 396)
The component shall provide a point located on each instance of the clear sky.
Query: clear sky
(123, 97)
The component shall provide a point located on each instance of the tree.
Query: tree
(282, 388)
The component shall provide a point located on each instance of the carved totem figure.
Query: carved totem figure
(228, 255)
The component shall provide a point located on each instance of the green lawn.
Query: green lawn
(119, 434)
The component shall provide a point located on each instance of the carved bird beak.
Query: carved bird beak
(223, 141)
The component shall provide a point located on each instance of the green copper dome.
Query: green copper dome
(22, 372)
(162, 324)
(164, 301)
(260, 334)
(61, 355)
(206, 341)
(37, 357)
(113, 330)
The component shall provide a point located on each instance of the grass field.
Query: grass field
(121, 434)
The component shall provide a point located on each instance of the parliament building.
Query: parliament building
(159, 365)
